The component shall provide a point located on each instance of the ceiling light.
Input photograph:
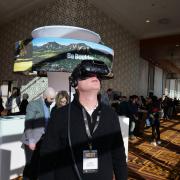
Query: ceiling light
(147, 21)
(177, 45)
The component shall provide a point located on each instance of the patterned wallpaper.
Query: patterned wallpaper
(77, 13)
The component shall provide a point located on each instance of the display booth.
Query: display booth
(54, 51)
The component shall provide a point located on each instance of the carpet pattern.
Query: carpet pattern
(150, 162)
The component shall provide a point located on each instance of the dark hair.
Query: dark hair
(109, 89)
(154, 98)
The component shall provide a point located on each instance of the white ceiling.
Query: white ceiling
(131, 14)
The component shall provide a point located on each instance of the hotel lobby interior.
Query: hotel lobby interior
(145, 37)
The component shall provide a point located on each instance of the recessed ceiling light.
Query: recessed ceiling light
(147, 21)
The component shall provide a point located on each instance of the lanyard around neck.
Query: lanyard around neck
(86, 123)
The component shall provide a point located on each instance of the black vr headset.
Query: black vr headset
(88, 68)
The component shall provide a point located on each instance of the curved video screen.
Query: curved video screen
(58, 54)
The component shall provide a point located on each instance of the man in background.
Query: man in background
(36, 120)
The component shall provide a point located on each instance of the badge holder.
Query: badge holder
(90, 161)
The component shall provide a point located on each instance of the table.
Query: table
(12, 158)
(124, 124)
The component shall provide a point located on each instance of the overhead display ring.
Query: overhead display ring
(59, 54)
(60, 49)
(69, 32)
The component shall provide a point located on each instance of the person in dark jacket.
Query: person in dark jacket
(93, 148)
(1, 104)
(155, 121)
(24, 104)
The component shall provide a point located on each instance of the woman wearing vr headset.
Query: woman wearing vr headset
(83, 139)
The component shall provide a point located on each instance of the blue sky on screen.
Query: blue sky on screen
(65, 41)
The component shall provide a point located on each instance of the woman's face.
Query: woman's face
(63, 101)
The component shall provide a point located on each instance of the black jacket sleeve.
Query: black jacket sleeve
(50, 148)
(118, 152)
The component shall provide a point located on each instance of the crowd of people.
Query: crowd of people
(143, 112)
(15, 105)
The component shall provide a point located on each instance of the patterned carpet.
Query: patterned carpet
(149, 162)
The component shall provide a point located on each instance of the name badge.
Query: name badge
(90, 161)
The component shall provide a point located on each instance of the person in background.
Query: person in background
(36, 120)
(165, 107)
(110, 94)
(175, 107)
(133, 115)
(24, 104)
(123, 109)
(116, 102)
(148, 108)
(105, 98)
(155, 121)
(62, 98)
(1, 104)
(95, 137)
(13, 102)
